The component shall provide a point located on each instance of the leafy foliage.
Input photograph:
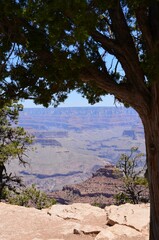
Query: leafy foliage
(14, 142)
(49, 48)
(30, 197)
(135, 185)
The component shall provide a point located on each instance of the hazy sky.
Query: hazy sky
(75, 100)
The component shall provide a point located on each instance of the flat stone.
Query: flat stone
(135, 216)
(79, 212)
(120, 232)
(88, 230)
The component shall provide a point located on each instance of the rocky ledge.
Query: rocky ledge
(97, 190)
(78, 221)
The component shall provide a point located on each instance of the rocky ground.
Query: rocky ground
(98, 190)
(78, 221)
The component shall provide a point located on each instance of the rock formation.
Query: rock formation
(74, 222)
(97, 190)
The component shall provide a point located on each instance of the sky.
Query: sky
(75, 100)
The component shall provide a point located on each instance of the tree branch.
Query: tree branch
(123, 48)
(154, 21)
(126, 44)
(110, 45)
(134, 75)
(122, 91)
(143, 23)
(105, 82)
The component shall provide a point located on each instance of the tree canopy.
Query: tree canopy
(48, 48)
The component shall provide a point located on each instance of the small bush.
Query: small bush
(30, 197)
(135, 186)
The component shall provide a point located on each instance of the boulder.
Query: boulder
(120, 232)
(88, 230)
(74, 222)
(134, 216)
(28, 223)
(81, 212)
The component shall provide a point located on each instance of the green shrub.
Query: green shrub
(134, 187)
(121, 198)
(30, 197)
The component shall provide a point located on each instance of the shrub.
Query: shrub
(30, 197)
(135, 186)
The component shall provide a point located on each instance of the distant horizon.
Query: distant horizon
(76, 107)
(76, 100)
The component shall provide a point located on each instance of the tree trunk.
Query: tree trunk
(151, 127)
(152, 150)
(2, 168)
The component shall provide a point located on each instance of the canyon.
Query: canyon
(71, 144)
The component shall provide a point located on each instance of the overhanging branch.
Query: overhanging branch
(110, 45)
(122, 91)
(142, 20)
(105, 82)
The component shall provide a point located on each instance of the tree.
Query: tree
(14, 142)
(49, 48)
(135, 187)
